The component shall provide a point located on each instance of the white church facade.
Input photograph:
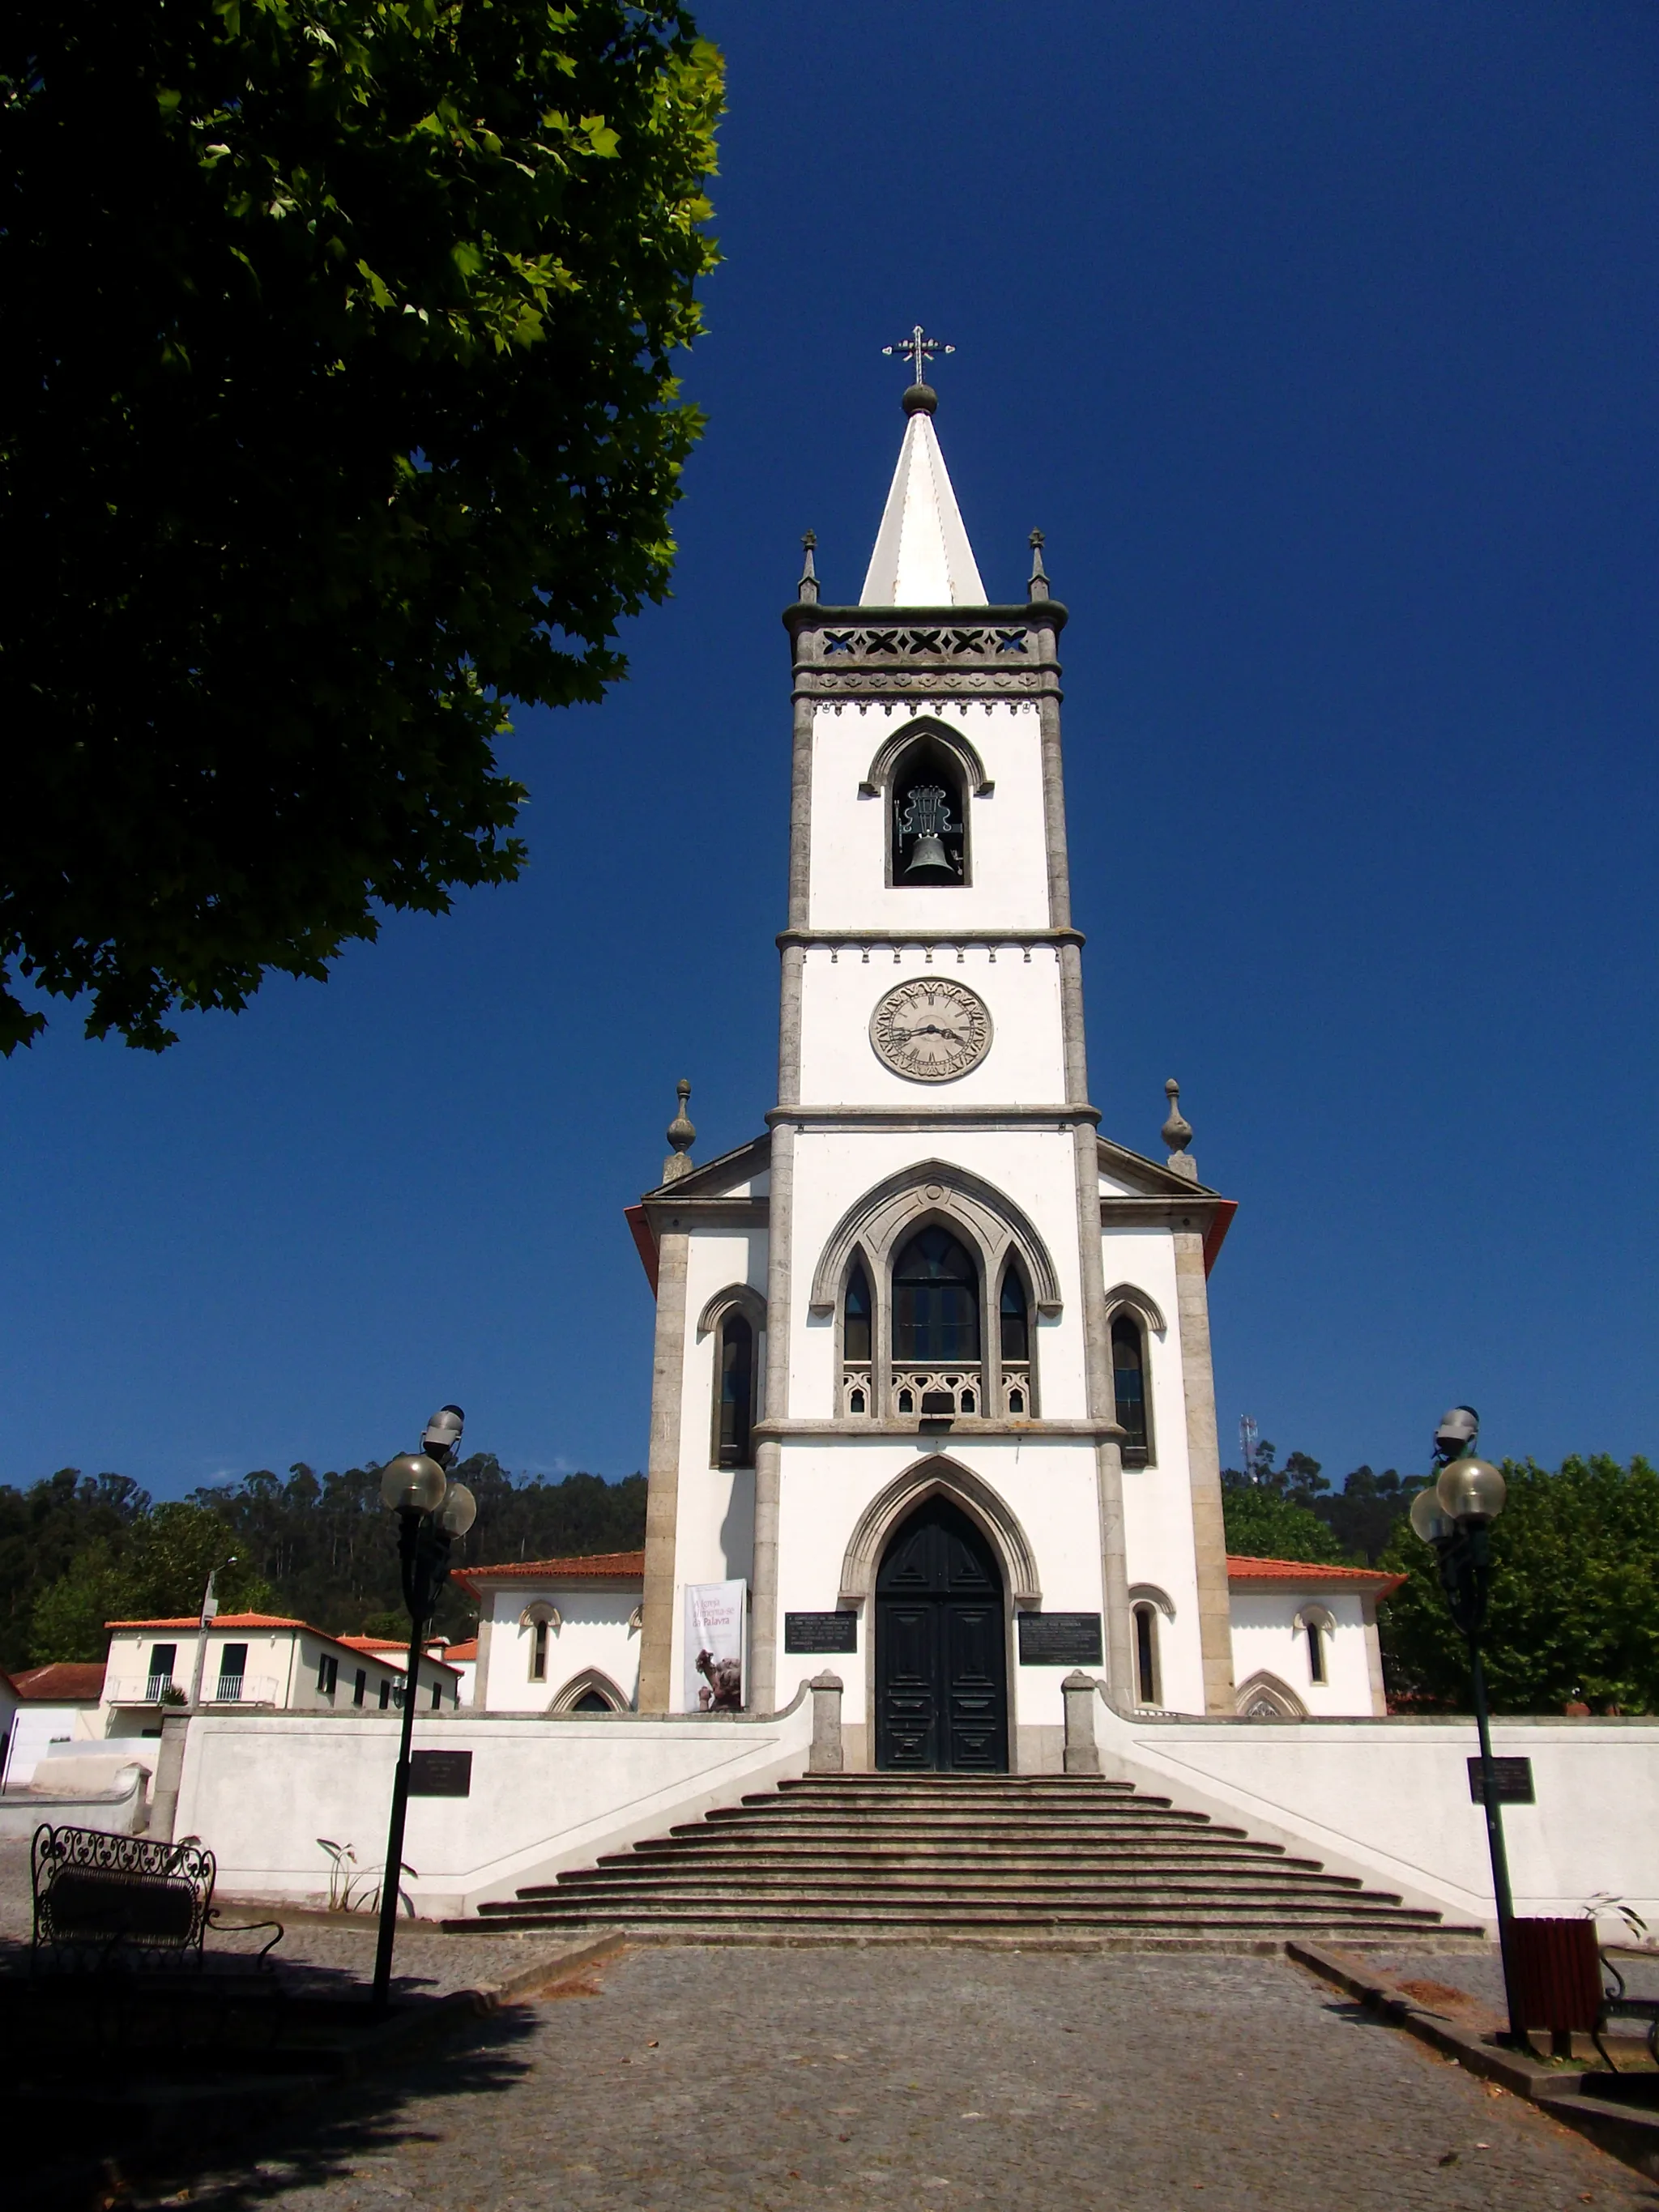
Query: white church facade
(931, 1377)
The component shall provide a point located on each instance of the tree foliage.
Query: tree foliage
(76, 1553)
(335, 410)
(156, 1567)
(1264, 1524)
(1359, 1519)
(1575, 1596)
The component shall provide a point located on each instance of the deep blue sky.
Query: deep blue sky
(1324, 344)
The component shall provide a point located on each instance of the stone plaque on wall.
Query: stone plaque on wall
(1060, 1640)
(1512, 1779)
(820, 1632)
(440, 1773)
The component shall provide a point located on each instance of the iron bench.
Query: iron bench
(98, 1895)
(1617, 2004)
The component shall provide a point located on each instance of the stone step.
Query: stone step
(997, 1859)
(1288, 1917)
(827, 1889)
(886, 1821)
(946, 1861)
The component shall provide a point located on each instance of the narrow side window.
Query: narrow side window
(735, 1381)
(1129, 1387)
(1016, 1326)
(1146, 1655)
(539, 1651)
(856, 1381)
(1316, 1652)
(855, 1334)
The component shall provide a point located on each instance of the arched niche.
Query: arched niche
(937, 1476)
(590, 1683)
(743, 1297)
(953, 741)
(1150, 1594)
(903, 1202)
(1265, 1698)
(1138, 1301)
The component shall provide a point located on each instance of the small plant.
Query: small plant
(173, 1695)
(1604, 1905)
(353, 1889)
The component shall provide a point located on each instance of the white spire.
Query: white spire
(922, 556)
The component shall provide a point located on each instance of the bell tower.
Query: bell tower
(983, 1331)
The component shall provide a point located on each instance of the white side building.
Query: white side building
(58, 1706)
(255, 1661)
(557, 1636)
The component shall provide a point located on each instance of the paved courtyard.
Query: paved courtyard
(708, 2080)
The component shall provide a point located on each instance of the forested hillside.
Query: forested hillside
(78, 1550)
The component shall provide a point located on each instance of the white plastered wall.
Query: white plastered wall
(1157, 1512)
(1008, 851)
(1266, 1640)
(594, 1631)
(842, 985)
(1048, 1484)
(714, 1527)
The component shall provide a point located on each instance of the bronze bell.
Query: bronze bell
(925, 817)
(928, 864)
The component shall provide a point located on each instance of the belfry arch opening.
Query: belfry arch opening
(927, 817)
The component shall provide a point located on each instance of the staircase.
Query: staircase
(1072, 1861)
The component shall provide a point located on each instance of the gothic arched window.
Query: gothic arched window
(1146, 1684)
(857, 1380)
(855, 1331)
(734, 1384)
(1014, 1338)
(935, 1301)
(1016, 1327)
(929, 817)
(1129, 1387)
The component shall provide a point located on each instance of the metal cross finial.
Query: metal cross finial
(921, 349)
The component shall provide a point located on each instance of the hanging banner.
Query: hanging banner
(715, 1638)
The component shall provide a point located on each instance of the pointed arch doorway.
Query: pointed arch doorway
(941, 1647)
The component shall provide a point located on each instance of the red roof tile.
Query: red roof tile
(370, 1643)
(390, 1653)
(62, 1682)
(223, 1620)
(591, 1566)
(459, 1654)
(1310, 1570)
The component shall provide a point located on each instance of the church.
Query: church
(932, 1400)
(932, 1375)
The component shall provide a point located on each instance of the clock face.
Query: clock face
(931, 1032)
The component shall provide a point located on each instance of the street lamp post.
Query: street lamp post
(432, 1512)
(209, 1613)
(1456, 1517)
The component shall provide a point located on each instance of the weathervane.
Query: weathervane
(921, 351)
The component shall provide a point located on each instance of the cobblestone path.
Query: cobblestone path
(709, 2080)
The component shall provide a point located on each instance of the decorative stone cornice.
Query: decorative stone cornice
(953, 1116)
(917, 656)
(939, 940)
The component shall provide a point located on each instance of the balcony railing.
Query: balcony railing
(858, 1389)
(938, 1391)
(917, 1393)
(240, 1690)
(162, 1690)
(144, 1690)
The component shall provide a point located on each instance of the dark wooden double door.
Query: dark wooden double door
(941, 1649)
